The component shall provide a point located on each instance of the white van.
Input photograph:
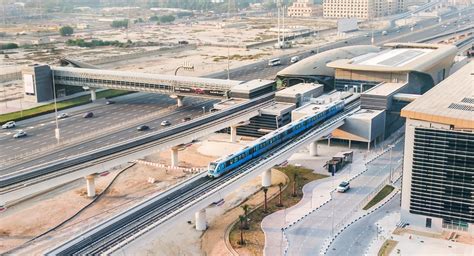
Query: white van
(274, 62)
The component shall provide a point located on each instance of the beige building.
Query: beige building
(304, 8)
(362, 9)
(438, 166)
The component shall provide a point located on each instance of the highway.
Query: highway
(308, 235)
(138, 107)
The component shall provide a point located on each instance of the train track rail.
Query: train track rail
(110, 236)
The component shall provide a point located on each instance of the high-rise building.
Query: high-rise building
(304, 8)
(362, 9)
(438, 173)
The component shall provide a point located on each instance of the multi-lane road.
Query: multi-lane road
(129, 109)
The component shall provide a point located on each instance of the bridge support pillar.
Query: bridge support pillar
(233, 134)
(180, 100)
(313, 148)
(201, 223)
(267, 178)
(93, 94)
(90, 185)
(350, 141)
(174, 156)
(329, 142)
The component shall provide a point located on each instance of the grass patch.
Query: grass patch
(380, 195)
(253, 237)
(387, 248)
(241, 57)
(48, 108)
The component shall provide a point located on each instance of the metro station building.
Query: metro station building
(438, 168)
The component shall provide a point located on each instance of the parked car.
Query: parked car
(109, 102)
(143, 128)
(294, 59)
(186, 119)
(343, 187)
(88, 115)
(8, 125)
(165, 123)
(62, 115)
(19, 134)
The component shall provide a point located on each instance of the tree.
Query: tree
(295, 178)
(119, 23)
(265, 190)
(8, 46)
(66, 31)
(246, 209)
(153, 18)
(280, 186)
(167, 18)
(241, 219)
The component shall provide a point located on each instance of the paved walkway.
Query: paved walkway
(316, 217)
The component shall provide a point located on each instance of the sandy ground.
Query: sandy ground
(28, 219)
(213, 242)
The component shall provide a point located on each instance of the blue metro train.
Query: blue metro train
(271, 140)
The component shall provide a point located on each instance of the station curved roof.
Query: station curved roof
(316, 65)
(400, 57)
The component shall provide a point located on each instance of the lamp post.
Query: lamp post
(203, 110)
(56, 131)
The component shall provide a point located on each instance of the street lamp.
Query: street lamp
(391, 146)
(56, 131)
(203, 110)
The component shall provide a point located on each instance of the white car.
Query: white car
(343, 187)
(19, 134)
(165, 123)
(294, 59)
(8, 125)
(62, 115)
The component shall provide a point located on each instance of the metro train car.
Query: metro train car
(271, 140)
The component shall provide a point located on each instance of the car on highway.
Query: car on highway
(274, 62)
(19, 134)
(165, 123)
(343, 187)
(62, 115)
(8, 125)
(185, 119)
(109, 102)
(143, 128)
(384, 33)
(294, 59)
(88, 115)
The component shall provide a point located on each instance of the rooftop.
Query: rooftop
(251, 85)
(450, 102)
(278, 108)
(399, 57)
(385, 89)
(300, 88)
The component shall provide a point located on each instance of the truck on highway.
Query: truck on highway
(384, 33)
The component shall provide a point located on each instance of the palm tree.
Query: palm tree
(265, 190)
(242, 218)
(280, 185)
(295, 178)
(246, 209)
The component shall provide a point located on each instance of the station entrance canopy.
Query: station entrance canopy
(143, 82)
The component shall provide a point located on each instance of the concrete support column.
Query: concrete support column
(90, 185)
(93, 94)
(233, 134)
(313, 148)
(201, 223)
(368, 146)
(350, 144)
(174, 156)
(180, 100)
(267, 178)
(329, 142)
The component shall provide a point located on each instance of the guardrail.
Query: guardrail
(109, 152)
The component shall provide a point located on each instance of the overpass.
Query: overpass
(191, 196)
(143, 82)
